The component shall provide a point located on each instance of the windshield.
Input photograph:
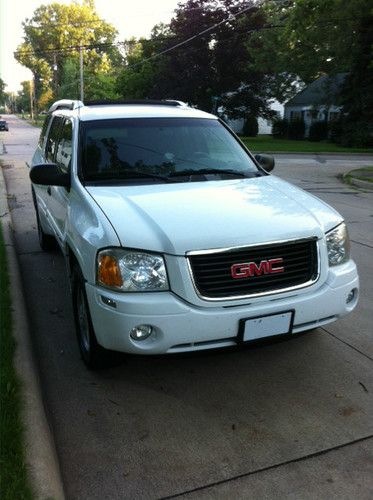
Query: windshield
(161, 150)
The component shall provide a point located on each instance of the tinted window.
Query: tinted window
(64, 146)
(44, 129)
(115, 149)
(53, 135)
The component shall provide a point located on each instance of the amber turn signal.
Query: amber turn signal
(108, 272)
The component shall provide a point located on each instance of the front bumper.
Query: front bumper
(179, 326)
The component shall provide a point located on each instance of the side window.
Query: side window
(64, 146)
(50, 149)
(44, 129)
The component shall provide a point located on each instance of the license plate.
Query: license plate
(266, 326)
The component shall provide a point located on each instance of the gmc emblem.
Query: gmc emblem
(249, 269)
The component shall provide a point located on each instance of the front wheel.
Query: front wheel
(93, 355)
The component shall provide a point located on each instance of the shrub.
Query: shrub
(335, 131)
(296, 129)
(318, 131)
(280, 128)
(250, 127)
(356, 134)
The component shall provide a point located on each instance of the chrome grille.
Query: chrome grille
(213, 277)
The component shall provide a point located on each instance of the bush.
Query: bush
(296, 129)
(250, 127)
(356, 134)
(335, 131)
(280, 128)
(318, 131)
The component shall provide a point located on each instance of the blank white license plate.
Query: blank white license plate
(267, 326)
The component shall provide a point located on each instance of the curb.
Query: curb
(360, 183)
(40, 452)
(349, 178)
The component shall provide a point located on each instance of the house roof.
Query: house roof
(324, 90)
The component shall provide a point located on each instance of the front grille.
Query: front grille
(213, 276)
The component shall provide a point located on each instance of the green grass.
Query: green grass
(363, 174)
(14, 483)
(266, 143)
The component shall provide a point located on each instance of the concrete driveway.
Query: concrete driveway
(285, 420)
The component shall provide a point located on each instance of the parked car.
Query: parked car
(4, 125)
(176, 237)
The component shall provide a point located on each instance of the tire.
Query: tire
(93, 355)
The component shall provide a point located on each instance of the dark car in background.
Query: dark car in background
(4, 125)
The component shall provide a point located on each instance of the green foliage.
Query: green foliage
(356, 134)
(2, 92)
(357, 94)
(250, 128)
(23, 98)
(13, 472)
(57, 26)
(318, 131)
(280, 128)
(138, 79)
(217, 64)
(316, 36)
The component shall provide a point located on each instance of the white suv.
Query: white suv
(177, 238)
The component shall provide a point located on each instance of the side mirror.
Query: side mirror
(49, 174)
(266, 161)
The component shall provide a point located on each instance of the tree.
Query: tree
(56, 31)
(214, 66)
(357, 93)
(2, 92)
(23, 98)
(312, 38)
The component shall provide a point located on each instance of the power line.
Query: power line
(231, 17)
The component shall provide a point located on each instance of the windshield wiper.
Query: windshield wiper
(206, 171)
(124, 175)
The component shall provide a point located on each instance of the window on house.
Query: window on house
(295, 115)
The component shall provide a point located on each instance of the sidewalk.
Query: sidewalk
(41, 457)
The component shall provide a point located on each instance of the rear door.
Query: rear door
(58, 200)
(47, 155)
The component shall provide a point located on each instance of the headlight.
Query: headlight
(338, 244)
(131, 271)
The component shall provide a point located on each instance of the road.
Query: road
(285, 420)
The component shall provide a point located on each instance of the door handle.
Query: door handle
(49, 191)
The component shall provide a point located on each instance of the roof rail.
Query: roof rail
(65, 104)
(147, 102)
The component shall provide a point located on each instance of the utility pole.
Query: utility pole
(31, 99)
(81, 74)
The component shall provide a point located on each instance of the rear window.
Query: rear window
(113, 149)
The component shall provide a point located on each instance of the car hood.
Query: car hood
(180, 217)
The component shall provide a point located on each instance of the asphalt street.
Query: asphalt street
(286, 420)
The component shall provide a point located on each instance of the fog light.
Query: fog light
(141, 332)
(351, 296)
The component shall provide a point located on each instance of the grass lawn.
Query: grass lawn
(13, 473)
(266, 143)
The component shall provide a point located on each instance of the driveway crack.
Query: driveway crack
(270, 467)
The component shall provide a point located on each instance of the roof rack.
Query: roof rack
(65, 104)
(147, 102)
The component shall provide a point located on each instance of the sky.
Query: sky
(130, 17)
